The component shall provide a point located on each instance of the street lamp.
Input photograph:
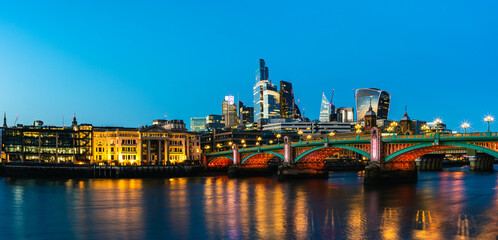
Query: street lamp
(465, 126)
(308, 137)
(271, 141)
(243, 141)
(300, 133)
(489, 119)
(219, 146)
(358, 128)
(331, 134)
(278, 138)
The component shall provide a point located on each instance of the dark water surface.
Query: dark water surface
(455, 204)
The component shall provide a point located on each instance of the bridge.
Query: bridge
(390, 153)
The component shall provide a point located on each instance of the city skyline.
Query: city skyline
(107, 71)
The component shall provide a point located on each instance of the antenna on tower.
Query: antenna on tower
(63, 120)
(15, 123)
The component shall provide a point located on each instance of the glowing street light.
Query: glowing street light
(271, 141)
(489, 119)
(308, 137)
(465, 126)
(278, 138)
(243, 141)
(331, 134)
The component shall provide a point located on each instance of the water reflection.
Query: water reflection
(456, 205)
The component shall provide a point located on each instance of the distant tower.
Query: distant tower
(405, 124)
(4, 120)
(75, 123)
(370, 119)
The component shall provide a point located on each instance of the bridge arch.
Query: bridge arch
(262, 153)
(356, 150)
(425, 148)
(221, 161)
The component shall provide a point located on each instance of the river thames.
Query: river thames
(454, 204)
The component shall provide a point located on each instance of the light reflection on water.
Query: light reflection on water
(455, 205)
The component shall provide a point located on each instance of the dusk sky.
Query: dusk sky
(127, 63)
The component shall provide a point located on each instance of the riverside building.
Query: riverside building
(163, 143)
(48, 144)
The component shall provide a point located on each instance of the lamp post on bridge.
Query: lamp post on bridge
(300, 133)
(438, 123)
(465, 126)
(489, 119)
(278, 138)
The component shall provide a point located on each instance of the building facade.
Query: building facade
(116, 146)
(306, 128)
(345, 114)
(48, 144)
(288, 106)
(325, 110)
(266, 96)
(214, 121)
(198, 124)
(229, 111)
(246, 114)
(378, 99)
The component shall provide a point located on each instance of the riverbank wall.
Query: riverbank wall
(95, 171)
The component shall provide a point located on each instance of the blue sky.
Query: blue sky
(125, 63)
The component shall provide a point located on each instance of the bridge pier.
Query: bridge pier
(391, 173)
(380, 172)
(291, 170)
(430, 162)
(482, 163)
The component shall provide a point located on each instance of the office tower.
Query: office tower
(214, 121)
(378, 98)
(197, 124)
(246, 114)
(266, 97)
(288, 106)
(229, 111)
(324, 109)
(345, 114)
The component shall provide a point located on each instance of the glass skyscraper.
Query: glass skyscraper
(378, 98)
(324, 109)
(266, 97)
(288, 107)
(246, 114)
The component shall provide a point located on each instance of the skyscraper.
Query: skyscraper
(288, 107)
(324, 109)
(378, 98)
(246, 114)
(266, 96)
(345, 114)
(229, 111)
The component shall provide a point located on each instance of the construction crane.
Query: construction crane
(332, 97)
